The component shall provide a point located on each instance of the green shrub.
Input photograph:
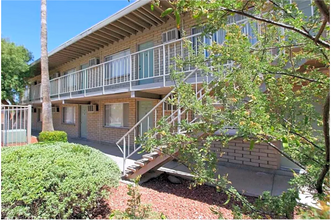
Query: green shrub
(53, 136)
(56, 180)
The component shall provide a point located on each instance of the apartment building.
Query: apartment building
(108, 83)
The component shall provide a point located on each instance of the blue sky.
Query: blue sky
(20, 20)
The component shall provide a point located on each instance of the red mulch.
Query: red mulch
(176, 201)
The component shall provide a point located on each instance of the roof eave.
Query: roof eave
(128, 9)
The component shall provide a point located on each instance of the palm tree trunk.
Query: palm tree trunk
(47, 124)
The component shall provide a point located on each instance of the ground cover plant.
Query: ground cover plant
(56, 180)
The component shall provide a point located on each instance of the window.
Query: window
(305, 6)
(170, 35)
(69, 71)
(169, 107)
(248, 28)
(39, 115)
(94, 61)
(117, 115)
(84, 66)
(197, 40)
(117, 64)
(69, 115)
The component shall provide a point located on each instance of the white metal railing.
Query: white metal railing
(151, 65)
(127, 144)
(175, 114)
(15, 125)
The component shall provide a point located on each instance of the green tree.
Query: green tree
(14, 70)
(269, 92)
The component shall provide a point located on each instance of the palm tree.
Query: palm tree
(47, 122)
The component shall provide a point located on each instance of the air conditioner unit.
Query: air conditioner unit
(170, 35)
(92, 108)
(55, 109)
(94, 61)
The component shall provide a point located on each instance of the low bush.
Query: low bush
(56, 180)
(53, 136)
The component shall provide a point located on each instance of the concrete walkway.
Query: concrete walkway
(249, 182)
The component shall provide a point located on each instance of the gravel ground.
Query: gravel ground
(176, 201)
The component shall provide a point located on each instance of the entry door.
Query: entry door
(83, 121)
(143, 108)
(146, 63)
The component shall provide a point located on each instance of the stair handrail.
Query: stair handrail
(151, 111)
(202, 95)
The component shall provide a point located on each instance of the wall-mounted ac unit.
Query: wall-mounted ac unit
(92, 108)
(170, 35)
(94, 61)
(55, 109)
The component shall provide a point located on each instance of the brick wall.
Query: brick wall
(73, 130)
(238, 152)
(95, 121)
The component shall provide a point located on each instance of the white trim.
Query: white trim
(116, 103)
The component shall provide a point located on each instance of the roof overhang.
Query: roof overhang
(129, 21)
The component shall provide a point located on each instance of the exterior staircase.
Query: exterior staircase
(153, 160)
(148, 162)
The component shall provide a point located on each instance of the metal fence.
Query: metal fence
(15, 125)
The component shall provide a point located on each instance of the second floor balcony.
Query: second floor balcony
(148, 68)
(142, 70)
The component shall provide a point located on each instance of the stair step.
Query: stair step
(154, 154)
(134, 168)
(149, 157)
(142, 162)
(128, 173)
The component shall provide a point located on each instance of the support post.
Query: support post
(164, 65)
(124, 156)
(103, 78)
(58, 88)
(179, 115)
(85, 81)
(29, 124)
(130, 71)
